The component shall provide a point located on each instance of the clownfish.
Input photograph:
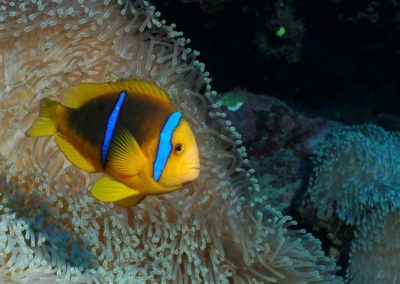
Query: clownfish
(128, 130)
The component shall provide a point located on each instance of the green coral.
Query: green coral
(232, 100)
(281, 31)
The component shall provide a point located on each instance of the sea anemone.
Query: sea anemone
(357, 178)
(51, 227)
(361, 163)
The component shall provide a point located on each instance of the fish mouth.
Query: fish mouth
(194, 170)
(192, 174)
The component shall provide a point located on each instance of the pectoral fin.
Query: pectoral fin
(125, 156)
(73, 155)
(107, 189)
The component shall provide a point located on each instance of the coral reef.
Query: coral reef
(357, 179)
(279, 140)
(268, 125)
(52, 229)
(241, 108)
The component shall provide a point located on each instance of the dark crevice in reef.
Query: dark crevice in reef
(335, 236)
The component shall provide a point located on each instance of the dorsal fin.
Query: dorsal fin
(78, 95)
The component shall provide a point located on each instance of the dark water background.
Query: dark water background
(348, 52)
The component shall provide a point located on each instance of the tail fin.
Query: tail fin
(45, 124)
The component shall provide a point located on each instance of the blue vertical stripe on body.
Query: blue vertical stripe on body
(165, 144)
(111, 123)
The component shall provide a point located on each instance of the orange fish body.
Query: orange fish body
(128, 130)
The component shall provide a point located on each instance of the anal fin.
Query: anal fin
(130, 201)
(73, 155)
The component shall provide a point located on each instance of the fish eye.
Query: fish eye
(178, 148)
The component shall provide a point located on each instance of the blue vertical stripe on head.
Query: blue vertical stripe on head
(111, 123)
(165, 144)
